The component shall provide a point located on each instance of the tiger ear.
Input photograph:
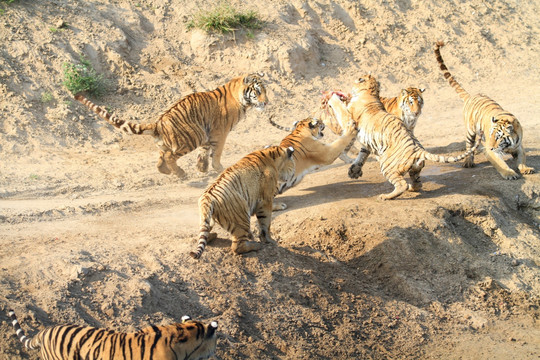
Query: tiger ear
(493, 119)
(212, 329)
(290, 151)
(313, 123)
(185, 318)
(422, 90)
(361, 80)
(261, 74)
(295, 123)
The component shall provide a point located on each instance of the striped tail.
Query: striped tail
(206, 210)
(278, 126)
(125, 126)
(463, 94)
(451, 159)
(27, 342)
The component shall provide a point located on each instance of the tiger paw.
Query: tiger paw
(279, 206)
(355, 171)
(526, 169)
(202, 163)
(162, 167)
(510, 175)
(245, 246)
(416, 186)
(468, 163)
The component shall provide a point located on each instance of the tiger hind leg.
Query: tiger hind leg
(202, 158)
(171, 159)
(414, 173)
(400, 186)
(242, 242)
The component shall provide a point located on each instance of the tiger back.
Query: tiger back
(187, 340)
(503, 131)
(397, 149)
(199, 120)
(246, 188)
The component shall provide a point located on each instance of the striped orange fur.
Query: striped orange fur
(200, 120)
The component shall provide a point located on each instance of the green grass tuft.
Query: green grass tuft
(83, 78)
(224, 18)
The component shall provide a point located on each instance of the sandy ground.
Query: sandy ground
(92, 234)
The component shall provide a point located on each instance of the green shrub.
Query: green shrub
(83, 78)
(224, 18)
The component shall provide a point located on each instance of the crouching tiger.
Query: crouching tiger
(190, 339)
(503, 130)
(246, 188)
(397, 149)
(197, 120)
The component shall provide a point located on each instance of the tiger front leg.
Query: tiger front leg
(217, 150)
(355, 170)
(469, 143)
(520, 157)
(264, 218)
(500, 165)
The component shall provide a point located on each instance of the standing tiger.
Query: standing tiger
(309, 152)
(407, 106)
(503, 130)
(189, 340)
(246, 188)
(197, 120)
(397, 149)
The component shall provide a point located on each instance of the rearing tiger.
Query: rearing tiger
(407, 106)
(197, 120)
(189, 340)
(397, 149)
(503, 130)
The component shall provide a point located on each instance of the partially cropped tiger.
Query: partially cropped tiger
(187, 340)
(197, 120)
(397, 149)
(503, 130)
(407, 106)
(246, 188)
(309, 152)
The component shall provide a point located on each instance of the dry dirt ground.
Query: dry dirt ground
(92, 234)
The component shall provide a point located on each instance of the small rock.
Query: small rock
(516, 262)
(60, 24)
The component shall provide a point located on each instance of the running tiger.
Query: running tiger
(407, 106)
(310, 153)
(397, 149)
(503, 130)
(190, 339)
(197, 120)
(247, 188)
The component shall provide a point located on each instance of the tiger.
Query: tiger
(199, 120)
(189, 339)
(407, 106)
(397, 149)
(505, 134)
(310, 153)
(246, 188)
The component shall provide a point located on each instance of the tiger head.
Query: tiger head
(195, 339)
(410, 101)
(310, 125)
(366, 83)
(503, 135)
(283, 162)
(254, 92)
